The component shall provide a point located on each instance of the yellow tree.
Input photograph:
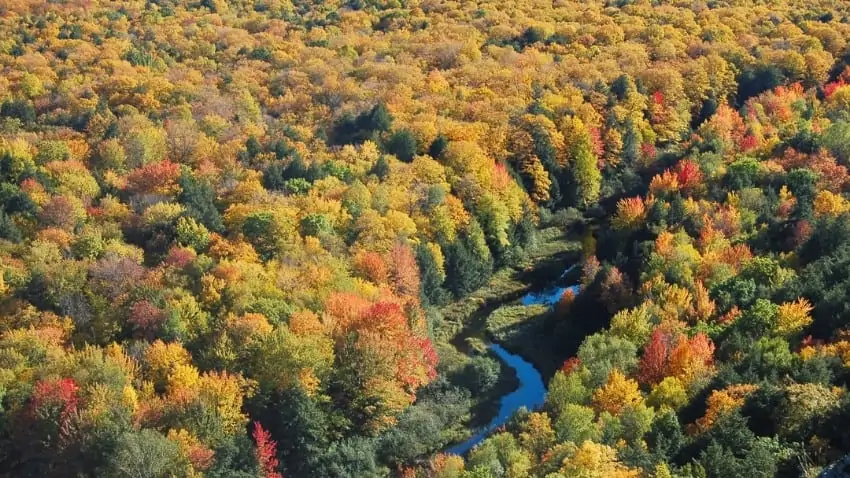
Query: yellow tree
(617, 393)
(594, 460)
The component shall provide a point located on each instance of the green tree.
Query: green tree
(403, 145)
(430, 278)
(145, 454)
(199, 198)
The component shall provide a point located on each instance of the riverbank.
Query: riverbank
(463, 332)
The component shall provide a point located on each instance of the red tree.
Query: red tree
(266, 452)
(155, 178)
(653, 363)
(689, 175)
(56, 402)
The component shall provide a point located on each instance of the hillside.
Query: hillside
(250, 237)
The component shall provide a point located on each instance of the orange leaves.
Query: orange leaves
(692, 358)
(704, 306)
(404, 272)
(631, 213)
(725, 125)
(193, 450)
(617, 393)
(372, 266)
(344, 309)
(395, 360)
(154, 178)
(724, 401)
(831, 175)
(666, 182)
(687, 359)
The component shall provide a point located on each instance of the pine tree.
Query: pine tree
(199, 198)
(431, 280)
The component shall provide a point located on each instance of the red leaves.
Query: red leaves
(748, 143)
(653, 364)
(689, 359)
(180, 257)
(56, 395)
(155, 178)
(597, 145)
(56, 401)
(266, 452)
(689, 175)
(570, 364)
(830, 88)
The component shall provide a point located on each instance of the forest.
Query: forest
(272, 238)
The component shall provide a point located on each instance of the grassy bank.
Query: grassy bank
(465, 325)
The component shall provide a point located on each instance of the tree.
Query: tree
(692, 359)
(145, 453)
(653, 363)
(733, 450)
(466, 270)
(584, 169)
(617, 393)
(577, 424)
(792, 317)
(592, 460)
(601, 354)
(266, 452)
(431, 278)
(199, 199)
(438, 147)
(805, 407)
(403, 145)
(665, 437)
(367, 125)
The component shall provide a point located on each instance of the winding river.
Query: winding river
(531, 392)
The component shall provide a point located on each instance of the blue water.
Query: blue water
(548, 296)
(530, 394)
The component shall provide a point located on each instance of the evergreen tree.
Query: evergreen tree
(431, 280)
(381, 169)
(403, 145)
(438, 146)
(199, 199)
(466, 270)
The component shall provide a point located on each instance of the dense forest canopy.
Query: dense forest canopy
(229, 231)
